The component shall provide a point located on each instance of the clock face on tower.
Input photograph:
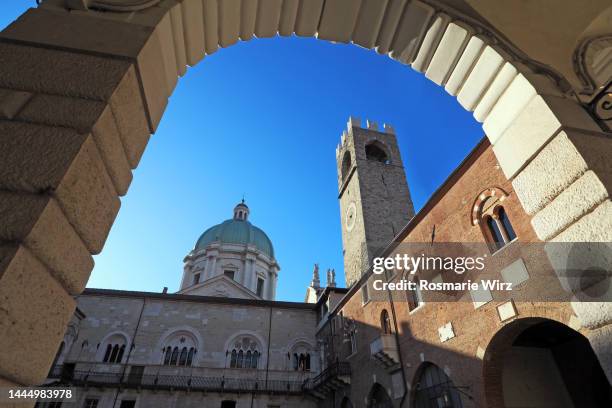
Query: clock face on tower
(350, 216)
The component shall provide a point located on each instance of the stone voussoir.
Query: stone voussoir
(35, 311)
(38, 222)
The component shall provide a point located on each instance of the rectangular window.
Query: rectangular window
(365, 294)
(196, 278)
(91, 403)
(128, 404)
(260, 287)
(229, 274)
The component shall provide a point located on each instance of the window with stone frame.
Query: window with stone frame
(196, 278)
(489, 213)
(497, 228)
(260, 287)
(414, 297)
(114, 349)
(385, 322)
(229, 273)
(179, 350)
(245, 353)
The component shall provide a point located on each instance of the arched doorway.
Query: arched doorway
(378, 397)
(432, 388)
(346, 403)
(538, 362)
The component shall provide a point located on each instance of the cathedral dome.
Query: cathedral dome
(237, 231)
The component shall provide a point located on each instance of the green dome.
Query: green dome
(236, 231)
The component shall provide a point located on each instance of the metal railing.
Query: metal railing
(184, 378)
(335, 370)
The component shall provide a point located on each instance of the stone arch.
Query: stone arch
(116, 90)
(378, 397)
(346, 403)
(114, 335)
(432, 383)
(512, 335)
(252, 335)
(302, 346)
(490, 193)
(173, 332)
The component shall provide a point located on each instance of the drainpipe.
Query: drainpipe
(269, 340)
(132, 347)
(399, 350)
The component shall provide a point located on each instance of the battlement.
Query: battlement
(355, 122)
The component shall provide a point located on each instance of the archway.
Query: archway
(113, 67)
(433, 388)
(539, 362)
(378, 397)
(346, 403)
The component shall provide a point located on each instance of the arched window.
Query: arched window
(376, 152)
(414, 297)
(245, 353)
(346, 165)
(114, 349)
(505, 222)
(433, 385)
(179, 349)
(493, 219)
(385, 322)
(300, 356)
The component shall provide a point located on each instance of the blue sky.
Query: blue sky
(262, 118)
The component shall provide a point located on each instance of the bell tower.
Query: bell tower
(375, 201)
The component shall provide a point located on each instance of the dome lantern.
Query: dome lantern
(241, 211)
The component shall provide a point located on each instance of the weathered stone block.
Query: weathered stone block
(78, 32)
(108, 140)
(40, 70)
(35, 311)
(562, 161)
(533, 128)
(11, 102)
(210, 8)
(38, 222)
(447, 53)
(470, 54)
(229, 22)
(480, 77)
(368, 23)
(410, 30)
(510, 104)
(61, 161)
(338, 20)
(575, 201)
(192, 19)
(501, 82)
(130, 114)
(430, 42)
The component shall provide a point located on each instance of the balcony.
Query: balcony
(205, 379)
(384, 350)
(335, 376)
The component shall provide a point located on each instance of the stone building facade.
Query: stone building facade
(349, 347)
(375, 202)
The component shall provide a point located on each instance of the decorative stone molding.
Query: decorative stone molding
(593, 63)
(110, 5)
